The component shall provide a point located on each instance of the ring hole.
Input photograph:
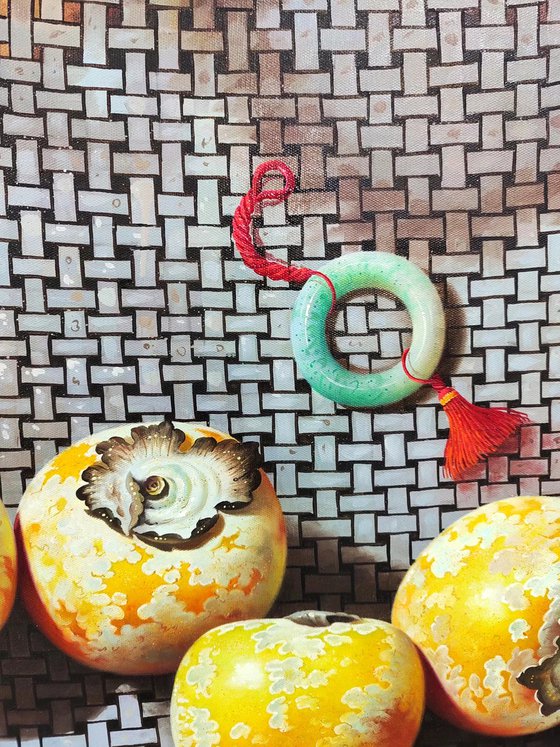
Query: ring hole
(368, 331)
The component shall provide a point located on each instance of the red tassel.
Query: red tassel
(474, 432)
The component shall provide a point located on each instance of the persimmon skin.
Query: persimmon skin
(8, 566)
(482, 603)
(116, 603)
(278, 682)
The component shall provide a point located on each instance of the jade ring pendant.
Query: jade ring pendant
(360, 271)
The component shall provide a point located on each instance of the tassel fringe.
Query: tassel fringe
(474, 432)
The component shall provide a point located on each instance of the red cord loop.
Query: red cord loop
(435, 381)
(274, 195)
(243, 233)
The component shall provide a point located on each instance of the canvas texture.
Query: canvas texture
(129, 133)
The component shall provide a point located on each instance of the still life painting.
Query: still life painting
(280, 373)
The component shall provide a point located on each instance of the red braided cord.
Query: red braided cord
(243, 234)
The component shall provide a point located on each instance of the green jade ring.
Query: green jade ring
(361, 271)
